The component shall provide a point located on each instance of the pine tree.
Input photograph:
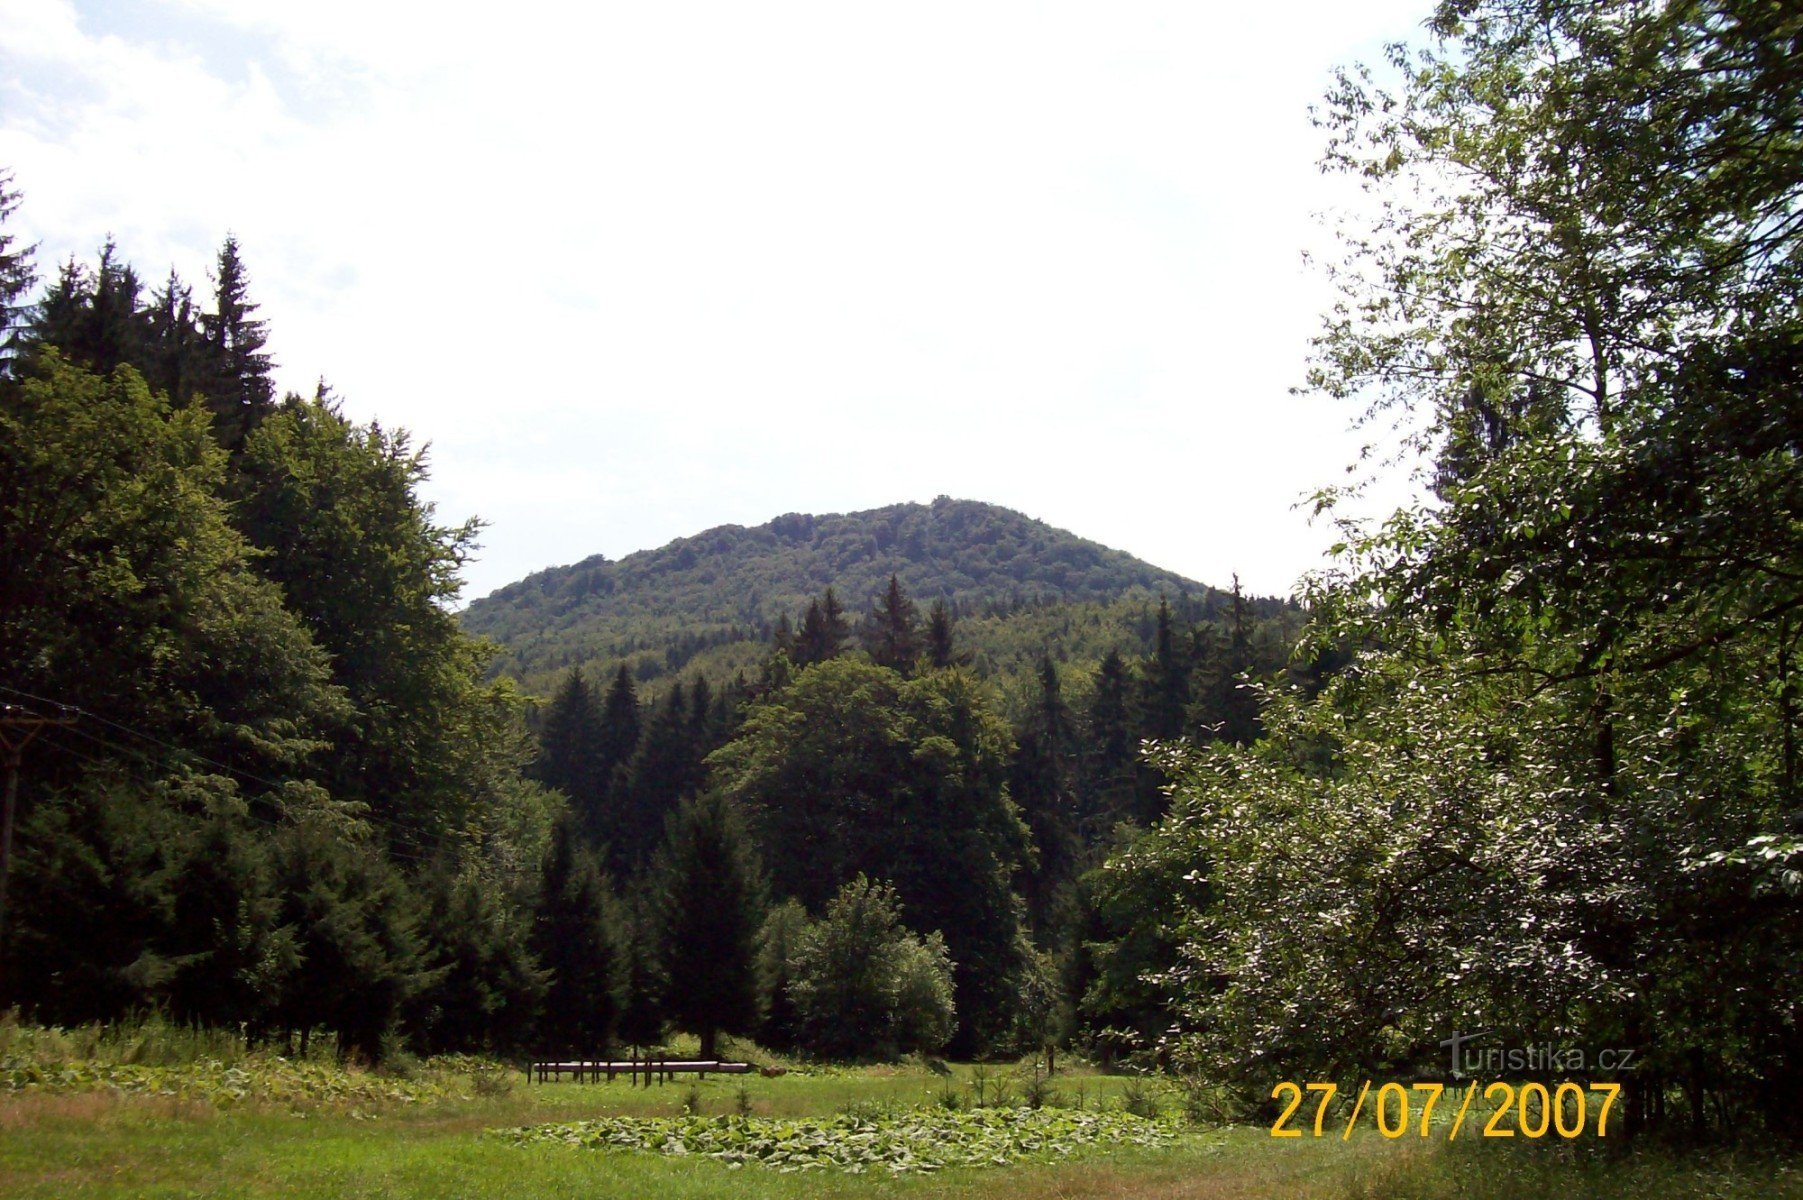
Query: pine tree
(709, 907)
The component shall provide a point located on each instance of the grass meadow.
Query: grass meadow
(112, 1114)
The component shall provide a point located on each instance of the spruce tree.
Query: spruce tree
(812, 644)
(174, 352)
(619, 723)
(892, 633)
(17, 277)
(1109, 771)
(237, 381)
(569, 755)
(941, 652)
(570, 937)
(642, 1021)
(708, 904)
(1164, 693)
(664, 769)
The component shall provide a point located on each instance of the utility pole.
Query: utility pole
(17, 727)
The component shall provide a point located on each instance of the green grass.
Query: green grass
(349, 1137)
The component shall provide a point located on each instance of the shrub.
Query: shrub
(864, 986)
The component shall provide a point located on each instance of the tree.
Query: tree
(851, 768)
(708, 905)
(17, 276)
(1039, 782)
(569, 748)
(359, 556)
(940, 650)
(866, 987)
(570, 935)
(823, 631)
(1109, 769)
(486, 983)
(891, 633)
(236, 379)
(356, 926)
(1582, 291)
(620, 725)
(778, 942)
(125, 589)
(664, 769)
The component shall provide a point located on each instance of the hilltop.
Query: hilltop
(708, 602)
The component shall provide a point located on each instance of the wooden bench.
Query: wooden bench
(597, 1070)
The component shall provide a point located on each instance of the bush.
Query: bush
(864, 986)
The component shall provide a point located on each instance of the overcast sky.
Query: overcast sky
(635, 270)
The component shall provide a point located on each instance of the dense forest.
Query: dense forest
(708, 604)
(273, 783)
(1526, 762)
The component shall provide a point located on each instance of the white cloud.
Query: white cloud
(638, 269)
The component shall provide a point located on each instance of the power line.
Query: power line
(415, 836)
(248, 814)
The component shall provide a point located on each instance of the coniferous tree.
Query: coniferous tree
(663, 770)
(237, 380)
(569, 754)
(619, 724)
(570, 937)
(17, 276)
(892, 634)
(941, 652)
(642, 1020)
(1164, 692)
(777, 944)
(174, 353)
(232, 956)
(1111, 754)
(810, 639)
(1039, 782)
(94, 317)
(489, 984)
(708, 904)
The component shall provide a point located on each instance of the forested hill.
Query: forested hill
(662, 609)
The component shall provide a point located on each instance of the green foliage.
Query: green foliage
(359, 557)
(864, 986)
(125, 588)
(709, 602)
(921, 1140)
(575, 944)
(852, 769)
(708, 905)
(1555, 806)
(778, 942)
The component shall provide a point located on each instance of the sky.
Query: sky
(636, 270)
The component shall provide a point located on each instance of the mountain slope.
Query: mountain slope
(661, 609)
